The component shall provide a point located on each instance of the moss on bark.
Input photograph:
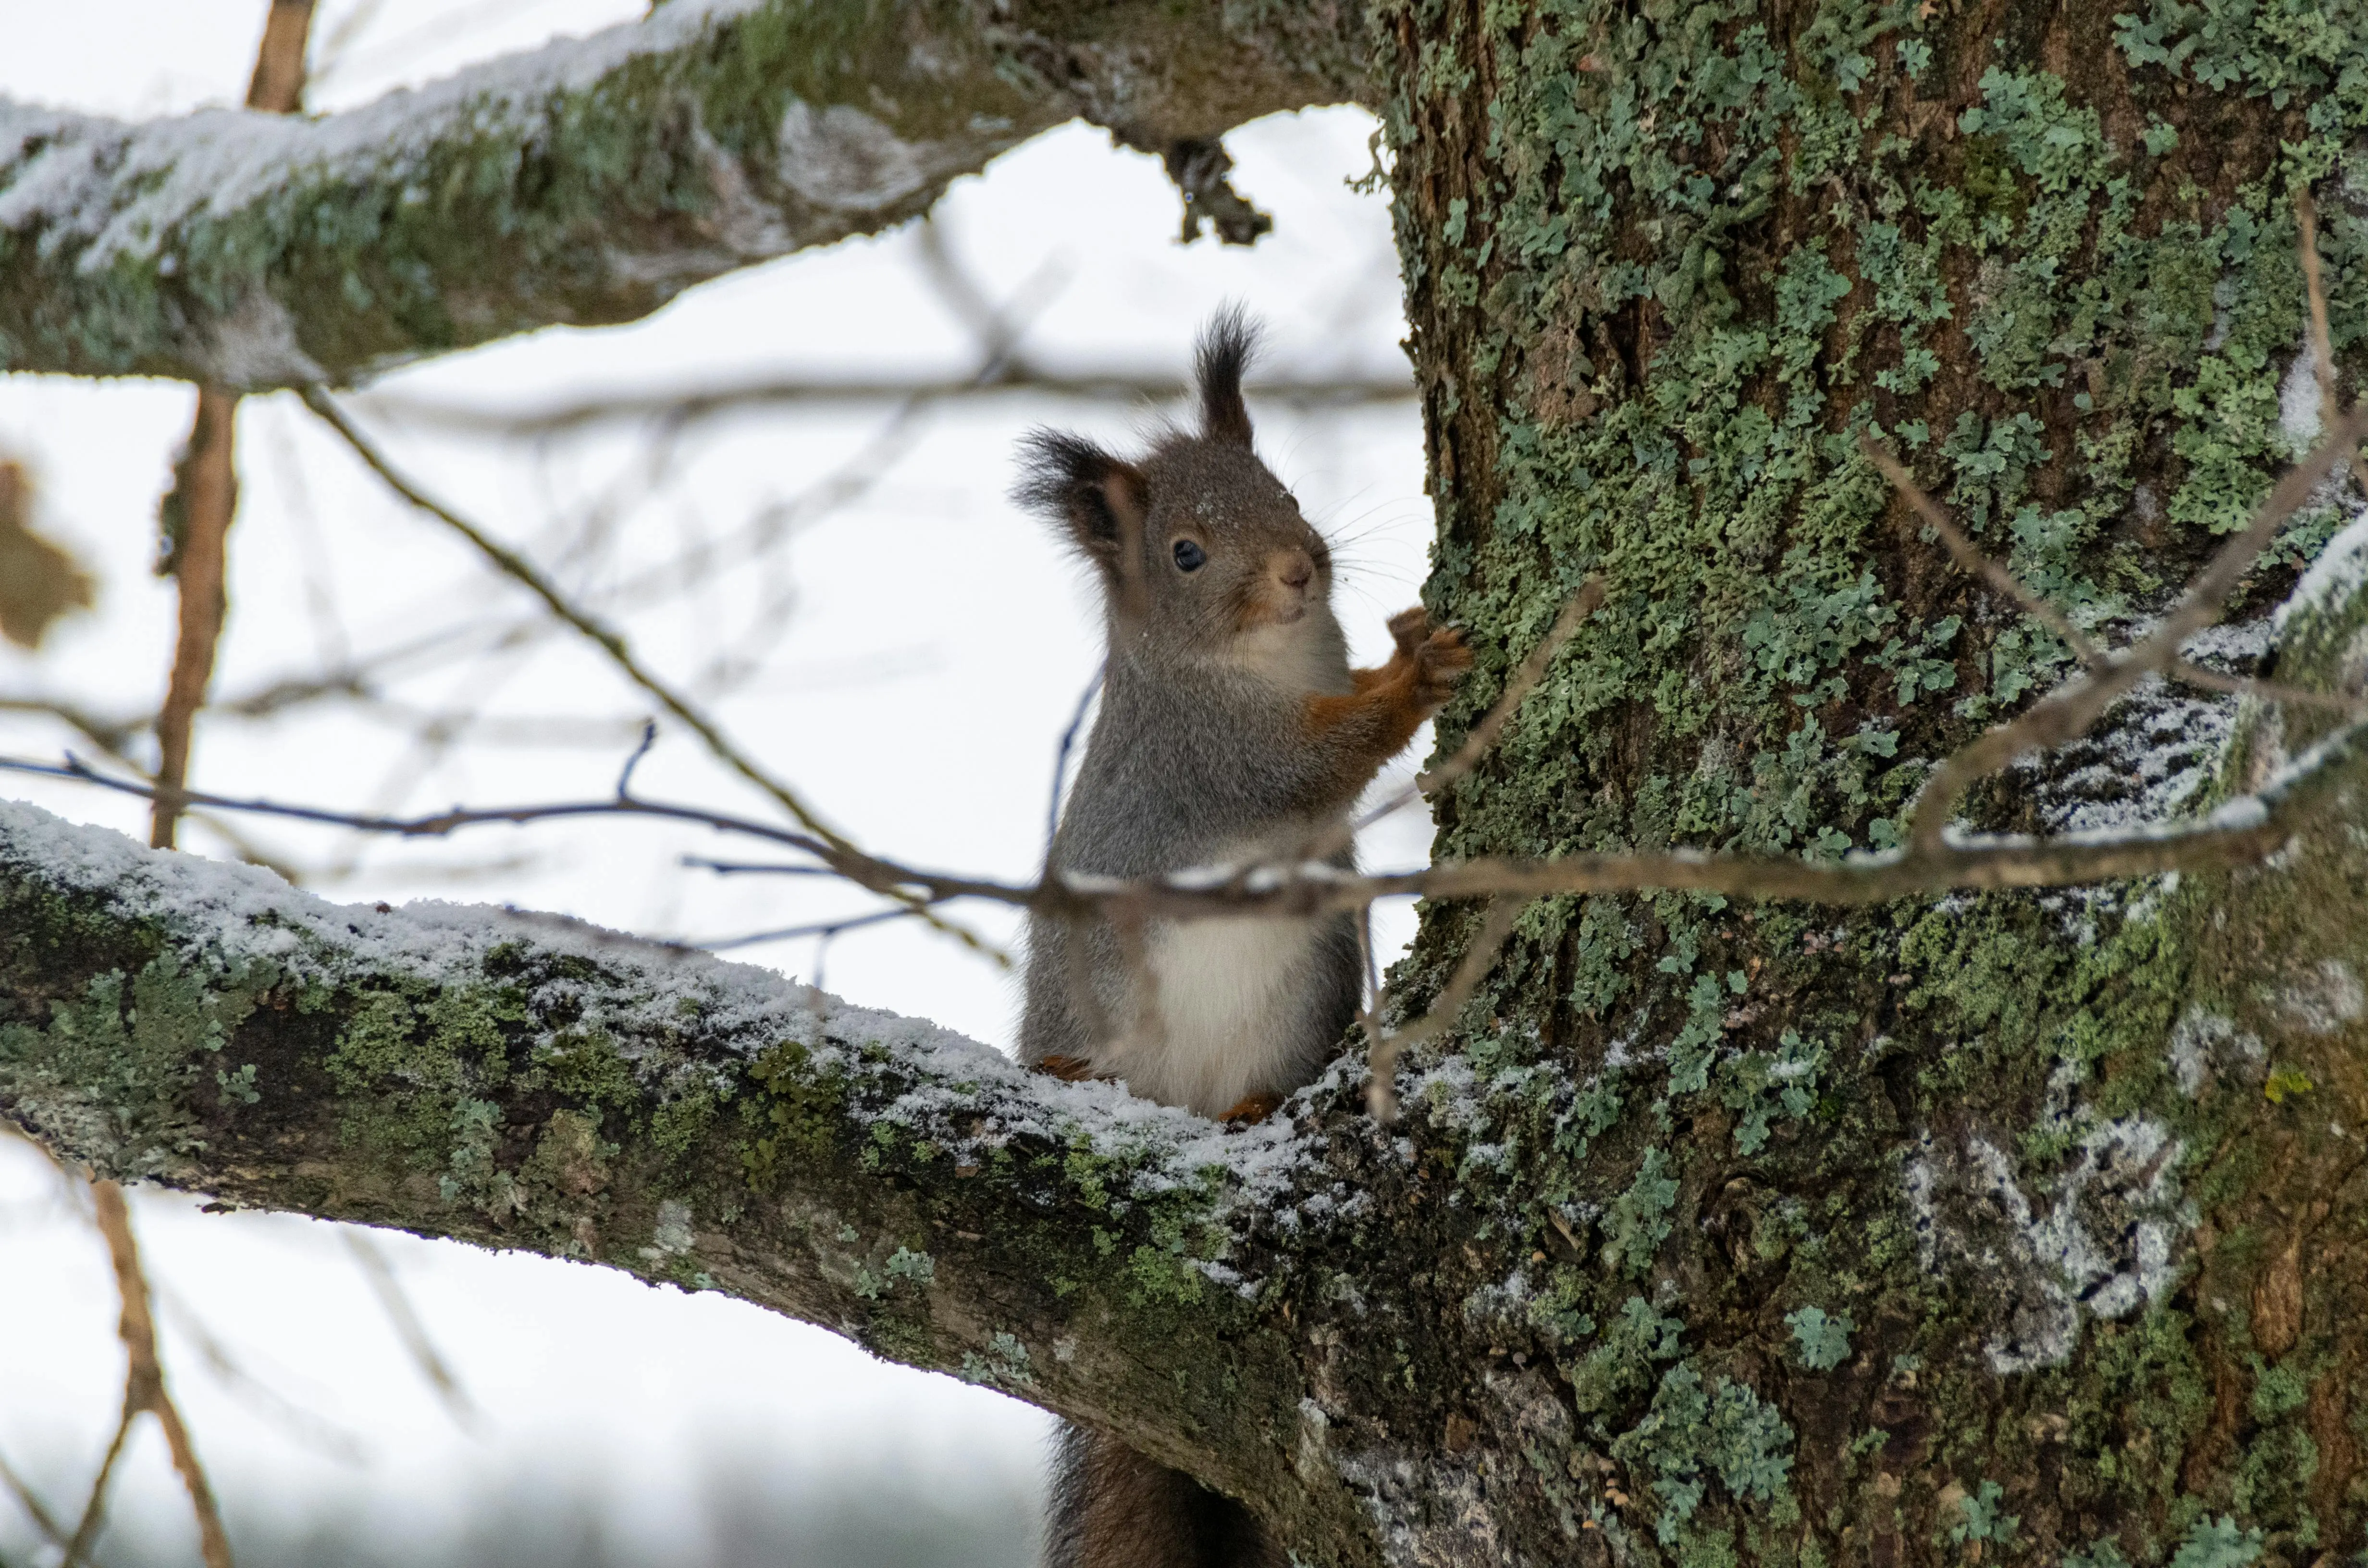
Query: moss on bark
(1666, 262)
(586, 183)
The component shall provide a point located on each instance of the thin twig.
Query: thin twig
(2193, 674)
(2322, 340)
(307, 1426)
(826, 929)
(1122, 386)
(2071, 709)
(851, 862)
(1479, 958)
(35, 1509)
(145, 1390)
(625, 773)
(204, 499)
(278, 84)
(1974, 564)
(1061, 756)
(2241, 832)
(416, 1342)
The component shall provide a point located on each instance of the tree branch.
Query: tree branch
(586, 182)
(530, 1082)
(205, 480)
(143, 1390)
(198, 516)
(1125, 386)
(843, 855)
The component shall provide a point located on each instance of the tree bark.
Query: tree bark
(2009, 1225)
(2025, 1225)
(591, 181)
(528, 1081)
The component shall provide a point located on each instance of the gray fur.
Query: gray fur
(1202, 753)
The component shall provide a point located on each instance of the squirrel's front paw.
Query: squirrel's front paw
(1440, 661)
(1408, 629)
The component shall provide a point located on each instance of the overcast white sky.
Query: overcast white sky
(907, 658)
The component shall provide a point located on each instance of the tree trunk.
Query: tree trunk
(2008, 1226)
(2012, 1225)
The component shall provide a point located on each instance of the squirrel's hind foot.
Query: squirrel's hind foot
(1251, 1109)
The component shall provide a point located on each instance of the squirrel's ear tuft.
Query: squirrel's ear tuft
(1226, 346)
(1097, 500)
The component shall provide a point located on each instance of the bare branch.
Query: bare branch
(851, 862)
(2242, 831)
(1112, 385)
(2069, 710)
(1479, 958)
(35, 1509)
(1972, 562)
(308, 1426)
(2194, 673)
(198, 516)
(2322, 340)
(408, 1328)
(625, 775)
(826, 929)
(143, 1389)
(110, 735)
(278, 84)
(94, 1512)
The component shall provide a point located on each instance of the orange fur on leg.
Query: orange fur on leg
(1387, 705)
(1252, 1107)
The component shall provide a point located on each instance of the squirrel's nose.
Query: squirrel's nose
(1296, 568)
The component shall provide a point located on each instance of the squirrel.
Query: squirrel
(1232, 729)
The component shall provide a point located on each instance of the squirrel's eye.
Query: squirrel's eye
(1191, 557)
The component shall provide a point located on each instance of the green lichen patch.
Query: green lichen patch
(1665, 263)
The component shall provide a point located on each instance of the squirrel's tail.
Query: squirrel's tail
(1113, 1508)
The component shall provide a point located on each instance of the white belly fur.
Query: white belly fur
(1229, 999)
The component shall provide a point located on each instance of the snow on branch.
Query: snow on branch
(532, 1082)
(589, 181)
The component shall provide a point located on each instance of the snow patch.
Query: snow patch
(216, 162)
(2299, 414)
(2106, 1243)
(2148, 760)
(2324, 999)
(2204, 1046)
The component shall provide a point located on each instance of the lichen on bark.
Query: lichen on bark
(536, 1082)
(585, 183)
(1665, 263)
(2008, 1226)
